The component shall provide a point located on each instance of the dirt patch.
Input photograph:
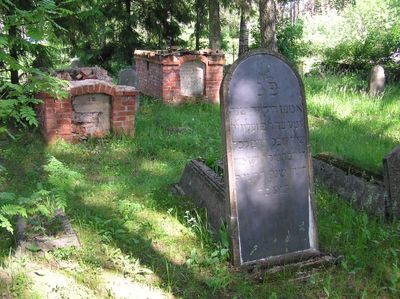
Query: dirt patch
(122, 288)
(50, 283)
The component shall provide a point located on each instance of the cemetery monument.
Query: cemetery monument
(268, 172)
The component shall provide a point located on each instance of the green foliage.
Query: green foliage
(362, 34)
(289, 37)
(346, 121)
(290, 43)
(17, 101)
(24, 38)
(9, 209)
(107, 32)
(61, 181)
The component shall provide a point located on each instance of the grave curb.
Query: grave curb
(68, 237)
(206, 188)
(369, 196)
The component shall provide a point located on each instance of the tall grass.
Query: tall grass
(346, 121)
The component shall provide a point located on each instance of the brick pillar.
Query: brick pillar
(54, 117)
(171, 89)
(214, 78)
(63, 111)
(123, 110)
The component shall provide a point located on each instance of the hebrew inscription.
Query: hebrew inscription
(267, 143)
(192, 78)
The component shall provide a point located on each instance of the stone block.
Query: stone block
(376, 81)
(206, 189)
(391, 169)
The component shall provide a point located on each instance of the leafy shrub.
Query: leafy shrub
(290, 43)
(62, 181)
(17, 101)
(25, 35)
(361, 35)
(289, 38)
(9, 209)
(361, 55)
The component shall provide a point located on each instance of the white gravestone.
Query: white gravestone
(192, 78)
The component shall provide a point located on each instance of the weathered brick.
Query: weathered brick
(160, 74)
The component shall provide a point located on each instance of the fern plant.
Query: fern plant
(9, 209)
(62, 181)
(49, 197)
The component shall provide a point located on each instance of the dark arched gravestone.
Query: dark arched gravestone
(267, 161)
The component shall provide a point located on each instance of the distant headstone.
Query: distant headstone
(267, 162)
(391, 165)
(76, 63)
(128, 77)
(376, 80)
(192, 78)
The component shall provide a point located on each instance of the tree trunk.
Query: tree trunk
(291, 11)
(298, 9)
(267, 25)
(312, 7)
(197, 27)
(244, 33)
(215, 25)
(13, 33)
(129, 30)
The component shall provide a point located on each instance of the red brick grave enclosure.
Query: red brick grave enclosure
(94, 107)
(176, 77)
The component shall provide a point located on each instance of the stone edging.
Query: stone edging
(206, 188)
(366, 195)
(67, 239)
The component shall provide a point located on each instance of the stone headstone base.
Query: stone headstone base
(206, 188)
(365, 194)
(67, 238)
(303, 269)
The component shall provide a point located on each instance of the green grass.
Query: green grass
(345, 121)
(129, 223)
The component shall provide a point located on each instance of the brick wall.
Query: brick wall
(150, 78)
(56, 115)
(159, 74)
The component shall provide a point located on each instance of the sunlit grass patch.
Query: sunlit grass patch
(346, 121)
